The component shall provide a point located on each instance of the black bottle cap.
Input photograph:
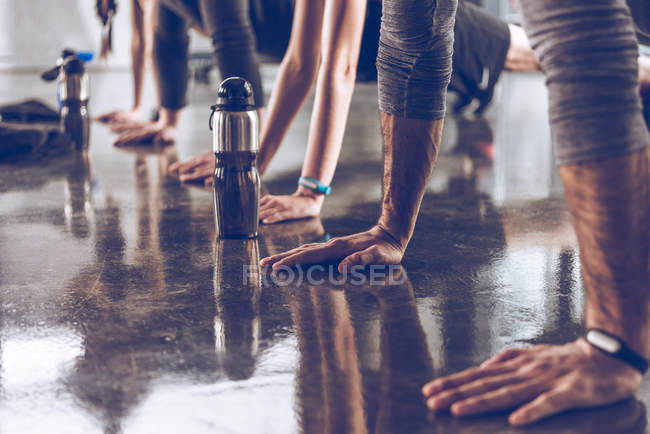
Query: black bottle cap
(235, 94)
(67, 52)
(73, 65)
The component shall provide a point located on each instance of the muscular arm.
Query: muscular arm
(603, 156)
(414, 66)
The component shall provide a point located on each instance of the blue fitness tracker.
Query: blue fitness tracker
(315, 185)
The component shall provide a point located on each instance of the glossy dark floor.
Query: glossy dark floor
(119, 312)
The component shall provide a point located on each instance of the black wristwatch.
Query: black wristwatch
(615, 347)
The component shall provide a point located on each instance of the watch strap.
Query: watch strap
(615, 347)
(315, 185)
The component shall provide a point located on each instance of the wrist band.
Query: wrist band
(315, 185)
(615, 347)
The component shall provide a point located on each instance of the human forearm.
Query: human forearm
(290, 92)
(410, 151)
(329, 117)
(296, 76)
(610, 207)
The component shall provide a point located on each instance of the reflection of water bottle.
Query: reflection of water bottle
(74, 90)
(78, 196)
(237, 289)
(235, 142)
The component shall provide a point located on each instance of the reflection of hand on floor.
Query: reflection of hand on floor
(540, 381)
(155, 133)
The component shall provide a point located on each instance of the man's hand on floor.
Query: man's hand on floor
(538, 382)
(197, 169)
(372, 247)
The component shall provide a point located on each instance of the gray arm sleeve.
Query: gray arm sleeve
(415, 57)
(588, 51)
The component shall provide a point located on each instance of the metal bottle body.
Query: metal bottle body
(73, 92)
(75, 121)
(236, 184)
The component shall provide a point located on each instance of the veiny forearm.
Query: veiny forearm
(410, 151)
(609, 201)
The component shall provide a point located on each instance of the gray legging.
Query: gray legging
(226, 22)
(587, 49)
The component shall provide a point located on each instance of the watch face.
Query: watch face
(603, 341)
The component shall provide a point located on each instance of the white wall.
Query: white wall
(33, 32)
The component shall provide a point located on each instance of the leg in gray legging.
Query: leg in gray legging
(170, 57)
(228, 24)
(588, 51)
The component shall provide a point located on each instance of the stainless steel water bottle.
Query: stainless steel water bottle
(235, 142)
(74, 90)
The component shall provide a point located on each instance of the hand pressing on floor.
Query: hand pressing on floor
(120, 117)
(161, 132)
(302, 204)
(197, 169)
(154, 133)
(538, 382)
(372, 247)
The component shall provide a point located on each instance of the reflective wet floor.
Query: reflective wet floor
(120, 312)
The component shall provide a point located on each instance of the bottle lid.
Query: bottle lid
(235, 94)
(73, 65)
(85, 56)
(67, 52)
